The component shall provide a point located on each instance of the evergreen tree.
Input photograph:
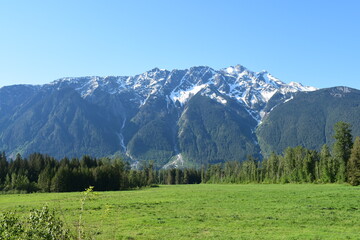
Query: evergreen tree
(272, 168)
(150, 173)
(134, 181)
(3, 167)
(253, 169)
(203, 174)
(44, 180)
(21, 182)
(281, 170)
(326, 167)
(288, 166)
(186, 177)
(178, 174)
(62, 181)
(170, 177)
(7, 183)
(36, 164)
(310, 160)
(342, 148)
(354, 164)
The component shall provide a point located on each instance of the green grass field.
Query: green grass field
(251, 211)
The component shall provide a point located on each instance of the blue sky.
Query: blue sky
(313, 42)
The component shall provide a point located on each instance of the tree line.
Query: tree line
(298, 164)
(44, 173)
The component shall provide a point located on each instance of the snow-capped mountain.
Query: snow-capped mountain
(180, 117)
(253, 89)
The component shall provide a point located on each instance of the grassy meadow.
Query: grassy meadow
(206, 211)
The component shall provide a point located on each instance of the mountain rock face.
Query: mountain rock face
(175, 118)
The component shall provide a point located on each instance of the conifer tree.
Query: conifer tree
(272, 168)
(326, 165)
(186, 177)
(44, 180)
(342, 148)
(354, 164)
(61, 182)
(3, 167)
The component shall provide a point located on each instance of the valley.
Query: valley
(207, 211)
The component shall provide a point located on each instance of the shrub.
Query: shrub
(40, 224)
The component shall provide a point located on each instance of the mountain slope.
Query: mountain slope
(308, 119)
(188, 117)
(59, 123)
(210, 132)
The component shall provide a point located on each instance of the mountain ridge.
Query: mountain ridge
(240, 83)
(309, 118)
(192, 116)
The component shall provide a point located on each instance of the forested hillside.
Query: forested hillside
(186, 118)
(308, 120)
(296, 165)
(183, 118)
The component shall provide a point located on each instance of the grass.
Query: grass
(302, 211)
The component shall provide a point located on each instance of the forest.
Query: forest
(43, 173)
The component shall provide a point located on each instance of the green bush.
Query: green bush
(40, 224)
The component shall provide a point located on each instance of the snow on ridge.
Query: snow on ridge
(268, 94)
(274, 79)
(93, 84)
(87, 85)
(301, 87)
(230, 70)
(219, 99)
(191, 83)
(254, 89)
(214, 95)
(183, 95)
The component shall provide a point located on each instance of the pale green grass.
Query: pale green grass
(251, 211)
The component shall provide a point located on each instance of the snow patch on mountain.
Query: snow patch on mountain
(214, 95)
(177, 162)
(253, 89)
(289, 99)
(183, 95)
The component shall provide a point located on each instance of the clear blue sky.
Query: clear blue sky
(315, 42)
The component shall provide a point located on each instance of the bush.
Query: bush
(10, 226)
(40, 224)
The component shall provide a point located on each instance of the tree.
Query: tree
(178, 174)
(3, 167)
(288, 165)
(310, 160)
(327, 173)
(170, 177)
(342, 148)
(272, 168)
(35, 163)
(44, 180)
(62, 181)
(134, 179)
(186, 177)
(354, 164)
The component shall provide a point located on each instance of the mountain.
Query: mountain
(175, 118)
(60, 123)
(308, 119)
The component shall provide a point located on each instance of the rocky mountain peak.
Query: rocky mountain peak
(253, 89)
